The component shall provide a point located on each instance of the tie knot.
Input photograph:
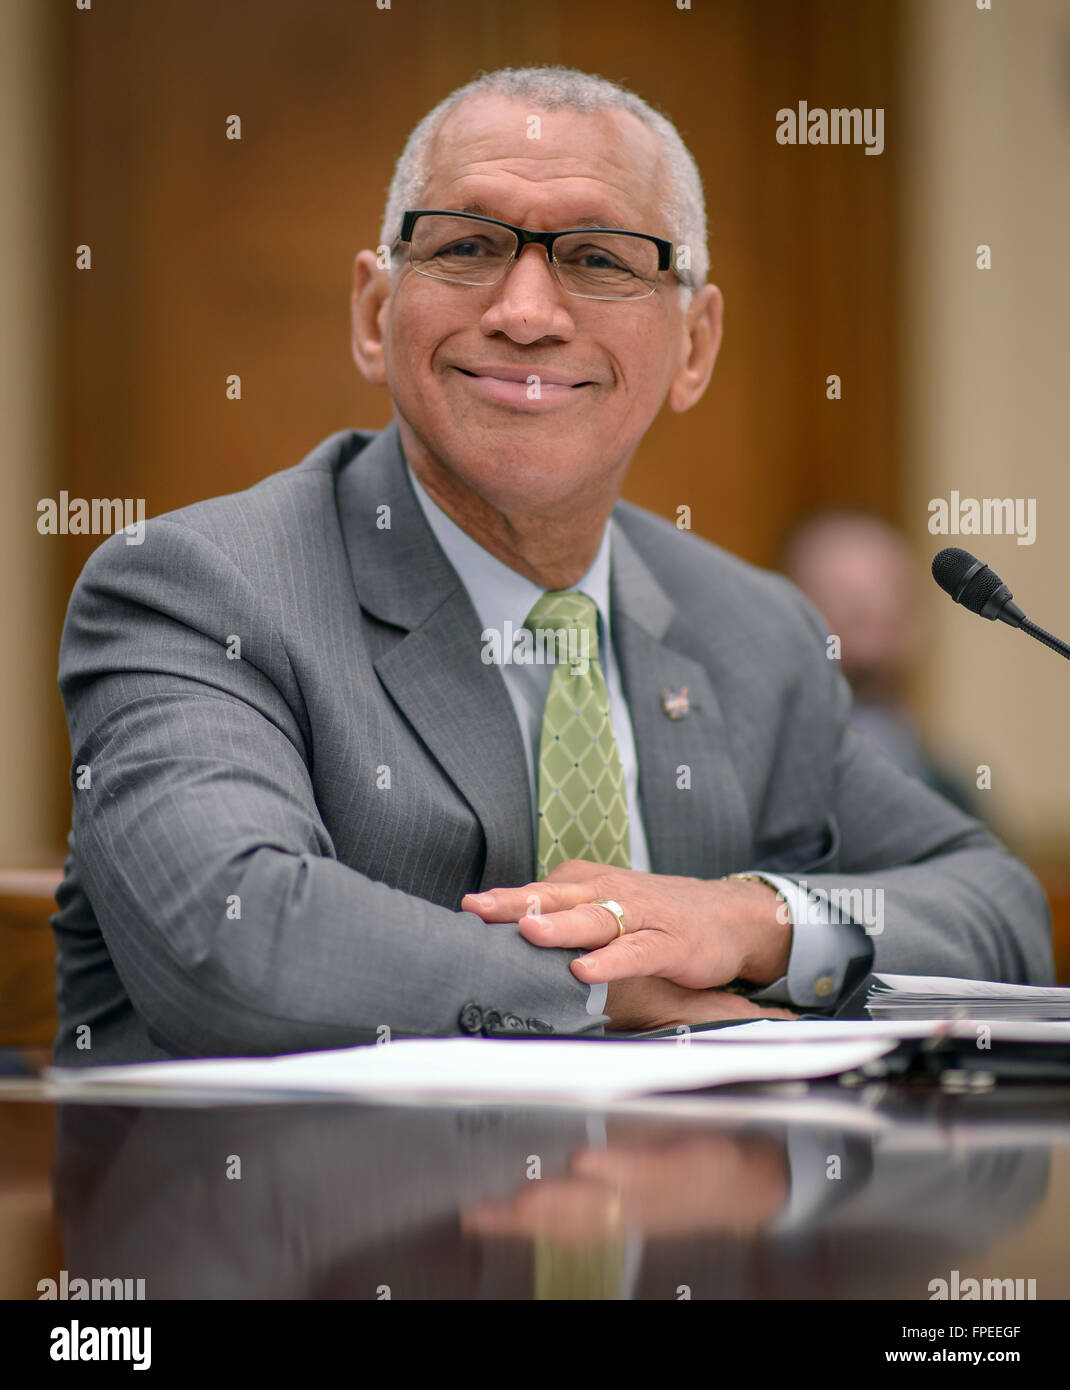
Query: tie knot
(561, 609)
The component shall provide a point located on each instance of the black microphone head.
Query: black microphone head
(950, 568)
(970, 582)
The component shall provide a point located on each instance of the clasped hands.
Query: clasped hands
(685, 939)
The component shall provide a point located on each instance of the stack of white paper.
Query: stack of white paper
(897, 997)
(479, 1069)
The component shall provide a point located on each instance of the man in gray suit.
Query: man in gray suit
(330, 779)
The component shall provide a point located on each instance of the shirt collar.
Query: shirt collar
(497, 592)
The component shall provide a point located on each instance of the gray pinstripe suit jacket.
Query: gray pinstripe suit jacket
(358, 768)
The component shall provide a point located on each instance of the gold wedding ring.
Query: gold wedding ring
(616, 910)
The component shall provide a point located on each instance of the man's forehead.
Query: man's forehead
(604, 162)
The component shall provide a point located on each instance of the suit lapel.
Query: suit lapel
(703, 830)
(457, 703)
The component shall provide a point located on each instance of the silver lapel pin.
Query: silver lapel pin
(675, 703)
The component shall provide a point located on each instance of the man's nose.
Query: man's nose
(530, 304)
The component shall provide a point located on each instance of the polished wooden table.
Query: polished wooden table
(804, 1191)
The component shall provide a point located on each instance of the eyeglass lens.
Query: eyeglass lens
(591, 264)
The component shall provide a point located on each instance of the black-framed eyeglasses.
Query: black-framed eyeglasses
(591, 262)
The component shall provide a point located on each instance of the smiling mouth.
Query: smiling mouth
(489, 376)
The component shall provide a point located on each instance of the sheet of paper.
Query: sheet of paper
(485, 1069)
(775, 1030)
(840, 1030)
(945, 985)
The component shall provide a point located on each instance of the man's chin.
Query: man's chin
(520, 477)
(530, 461)
(527, 475)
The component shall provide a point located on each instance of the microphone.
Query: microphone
(970, 582)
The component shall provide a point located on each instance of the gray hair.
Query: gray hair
(549, 88)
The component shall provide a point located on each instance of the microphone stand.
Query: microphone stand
(1049, 641)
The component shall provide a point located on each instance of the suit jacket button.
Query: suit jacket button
(470, 1019)
(492, 1021)
(514, 1024)
(536, 1025)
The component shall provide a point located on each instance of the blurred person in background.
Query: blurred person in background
(862, 576)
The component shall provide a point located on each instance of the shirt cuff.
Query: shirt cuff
(596, 1000)
(808, 1151)
(822, 952)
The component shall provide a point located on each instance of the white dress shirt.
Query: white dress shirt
(820, 951)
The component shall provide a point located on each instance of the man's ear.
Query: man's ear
(702, 329)
(367, 305)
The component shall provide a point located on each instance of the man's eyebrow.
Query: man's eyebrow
(589, 220)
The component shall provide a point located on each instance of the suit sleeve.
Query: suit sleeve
(231, 922)
(936, 892)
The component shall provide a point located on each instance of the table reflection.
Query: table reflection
(838, 1199)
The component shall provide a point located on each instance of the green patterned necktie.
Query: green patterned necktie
(583, 806)
(594, 1271)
